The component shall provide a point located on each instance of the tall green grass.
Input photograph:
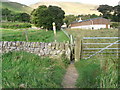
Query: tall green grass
(22, 69)
(109, 72)
(89, 73)
(98, 72)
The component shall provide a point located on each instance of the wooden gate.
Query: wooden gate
(92, 46)
(87, 47)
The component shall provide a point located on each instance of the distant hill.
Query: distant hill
(119, 3)
(70, 7)
(16, 7)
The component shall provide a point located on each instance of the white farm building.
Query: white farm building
(95, 23)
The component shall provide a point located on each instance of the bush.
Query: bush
(15, 25)
(114, 25)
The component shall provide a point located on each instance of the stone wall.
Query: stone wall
(39, 48)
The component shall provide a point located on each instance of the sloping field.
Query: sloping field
(71, 7)
(16, 7)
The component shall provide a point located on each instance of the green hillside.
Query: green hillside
(16, 7)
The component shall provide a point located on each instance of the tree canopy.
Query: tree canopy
(110, 12)
(69, 18)
(22, 17)
(44, 16)
(9, 15)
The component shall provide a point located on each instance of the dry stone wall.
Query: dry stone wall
(39, 48)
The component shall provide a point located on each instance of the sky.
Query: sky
(98, 2)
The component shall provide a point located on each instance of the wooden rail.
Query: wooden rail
(101, 50)
(98, 43)
(101, 37)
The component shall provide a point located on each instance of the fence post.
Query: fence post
(81, 49)
(77, 49)
(71, 48)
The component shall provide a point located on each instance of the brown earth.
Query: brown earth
(70, 77)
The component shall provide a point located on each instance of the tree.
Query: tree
(116, 15)
(6, 13)
(22, 17)
(105, 10)
(44, 16)
(94, 16)
(69, 18)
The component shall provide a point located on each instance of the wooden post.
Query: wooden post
(71, 49)
(77, 49)
(54, 29)
(26, 35)
(81, 51)
(71, 39)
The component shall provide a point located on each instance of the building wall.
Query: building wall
(96, 23)
(91, 26)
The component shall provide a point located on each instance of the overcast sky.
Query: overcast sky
(98, 2)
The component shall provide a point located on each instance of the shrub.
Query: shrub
(114, 25)
(15, 25)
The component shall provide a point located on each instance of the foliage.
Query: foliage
(33, 35)
(114, 25)
(6, 13)
(69, 19)
(22, 69)
(9, 15)
(44, 16)
(116, 13)
(89, 16)
(104, 9)
(22, 17)
(107, 11)
(15, 25)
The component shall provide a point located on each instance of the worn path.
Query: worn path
(70, 77)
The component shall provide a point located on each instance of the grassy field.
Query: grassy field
(15, 25)
(32, 34)
(97, 72)
(22, 69)
(93, 33)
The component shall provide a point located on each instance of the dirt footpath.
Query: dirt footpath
(70, 77)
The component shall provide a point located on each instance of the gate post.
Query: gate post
(77, 49)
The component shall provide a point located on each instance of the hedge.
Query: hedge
(15, 25)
